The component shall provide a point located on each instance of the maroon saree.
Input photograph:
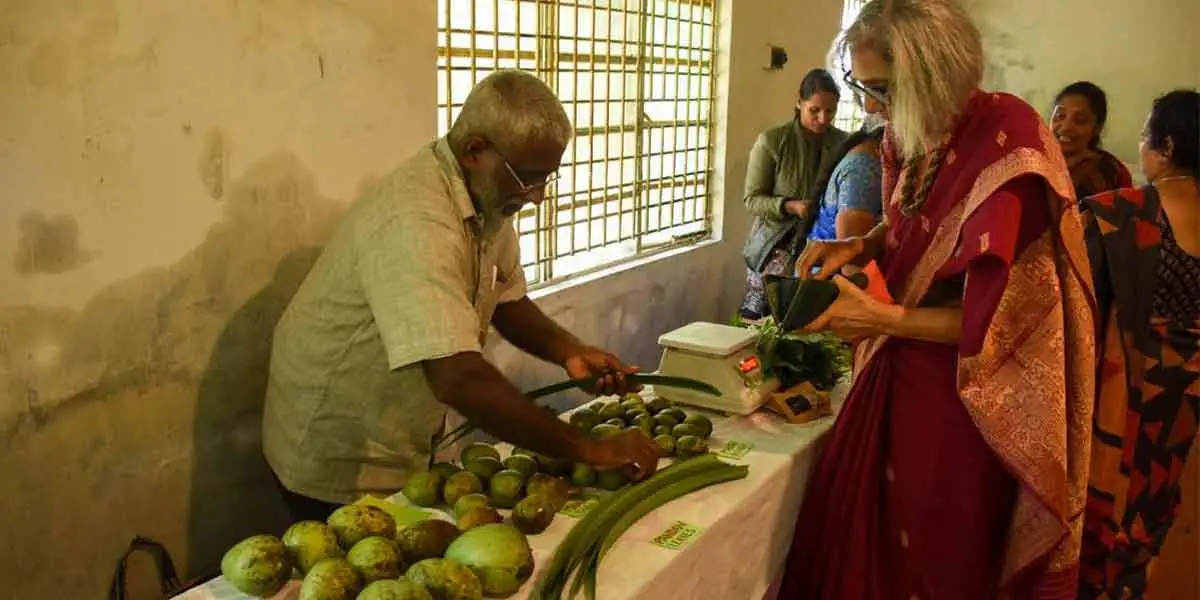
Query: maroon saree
(959, 471)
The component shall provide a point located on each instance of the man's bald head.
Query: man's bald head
(509, 139)
(512, 109)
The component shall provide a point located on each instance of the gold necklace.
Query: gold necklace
(1172, 178)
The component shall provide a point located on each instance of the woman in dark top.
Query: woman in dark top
(780, 181)
(1145, 250)
(1080, 111)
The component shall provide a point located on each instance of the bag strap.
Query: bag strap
(168, 578)
(800, 231)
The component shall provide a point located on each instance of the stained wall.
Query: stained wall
(171, 171)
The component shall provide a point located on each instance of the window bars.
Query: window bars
(850, 113)
(636, 78)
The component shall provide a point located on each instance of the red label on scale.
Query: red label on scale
(748, 364)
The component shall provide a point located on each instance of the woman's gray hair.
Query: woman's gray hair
(936, 56)
(511, 109)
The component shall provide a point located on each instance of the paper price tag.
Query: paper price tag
(735, 450)
(577, 507)
(676, 536)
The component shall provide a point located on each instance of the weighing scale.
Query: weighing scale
(722, 356)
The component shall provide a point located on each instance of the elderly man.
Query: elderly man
(387, 330)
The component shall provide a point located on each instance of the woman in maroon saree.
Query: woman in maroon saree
(957, 467)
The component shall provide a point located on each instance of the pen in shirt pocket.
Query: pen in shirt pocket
(495, 275)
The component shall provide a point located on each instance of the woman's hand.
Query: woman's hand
(830, 255)
(796, 208)
(854, 315)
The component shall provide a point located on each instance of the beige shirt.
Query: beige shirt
(408, 276)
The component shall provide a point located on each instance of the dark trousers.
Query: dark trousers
(304, 508)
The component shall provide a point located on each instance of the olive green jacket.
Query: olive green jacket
(784, 164)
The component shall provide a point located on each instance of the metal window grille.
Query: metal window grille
(850, 113)
(636, 78)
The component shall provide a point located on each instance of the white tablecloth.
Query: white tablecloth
(745, 527)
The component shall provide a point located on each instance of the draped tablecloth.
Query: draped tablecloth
(724, 542)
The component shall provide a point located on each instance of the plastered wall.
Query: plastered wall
(1134, 50)
(171, 170)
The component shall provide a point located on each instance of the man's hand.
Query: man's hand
(590, 361)
(629, 449)
(471, 385)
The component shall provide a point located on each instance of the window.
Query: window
(850, 112)
(636, 78)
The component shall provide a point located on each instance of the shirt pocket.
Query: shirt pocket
(488, 294)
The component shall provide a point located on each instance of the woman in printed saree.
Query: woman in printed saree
(1080, 112)
(957, 466)
(780, 180)
(1145, 250)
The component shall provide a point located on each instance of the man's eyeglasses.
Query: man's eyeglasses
(529, 187)
(526, 187)
(877, 92)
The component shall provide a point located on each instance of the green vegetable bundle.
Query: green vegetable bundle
(819, 358)
(577, 559)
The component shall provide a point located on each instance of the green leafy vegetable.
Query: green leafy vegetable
(819, 358)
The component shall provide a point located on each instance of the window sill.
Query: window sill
(574, 281)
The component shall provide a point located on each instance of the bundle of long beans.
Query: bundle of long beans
(633, 379)
(577, 559)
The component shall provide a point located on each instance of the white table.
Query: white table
(745, 527)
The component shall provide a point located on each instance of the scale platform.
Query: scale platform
(722, 356)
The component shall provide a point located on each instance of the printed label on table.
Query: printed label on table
(577, 507)
(676, 536)
(735, 450)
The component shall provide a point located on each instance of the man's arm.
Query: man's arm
(472, 386)
(410, 272)
(525, 326)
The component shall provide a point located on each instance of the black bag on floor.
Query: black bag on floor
(168, 580)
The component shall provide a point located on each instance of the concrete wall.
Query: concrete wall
(1135, 51)
(171, 170)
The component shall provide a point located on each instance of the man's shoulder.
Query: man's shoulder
(418, 183)
(417, 191)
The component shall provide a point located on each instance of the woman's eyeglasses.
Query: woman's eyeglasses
(877, 92)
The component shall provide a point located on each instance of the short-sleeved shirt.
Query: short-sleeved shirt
(409, 275)
(856, 183)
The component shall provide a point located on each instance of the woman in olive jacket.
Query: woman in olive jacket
(780, 180)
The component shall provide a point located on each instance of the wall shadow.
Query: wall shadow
(232, 492)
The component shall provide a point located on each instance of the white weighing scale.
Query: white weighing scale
(722, 356)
